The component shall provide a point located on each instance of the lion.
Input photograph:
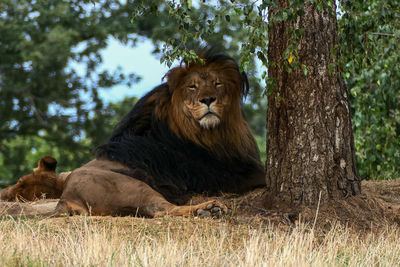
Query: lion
(186, 136)
(44, 182)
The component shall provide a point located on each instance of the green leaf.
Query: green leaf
(305, 69)
(284, 15)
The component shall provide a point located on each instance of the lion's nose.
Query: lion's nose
(208, 100)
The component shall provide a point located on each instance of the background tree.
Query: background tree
(45, 104)
(30, 148)
(369, 44)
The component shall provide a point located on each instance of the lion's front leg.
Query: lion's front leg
(212, 209)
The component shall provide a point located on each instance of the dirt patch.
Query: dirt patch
(376, 208)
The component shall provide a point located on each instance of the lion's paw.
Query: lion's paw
(212, 209)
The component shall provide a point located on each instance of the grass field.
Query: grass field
(107, 241)
(368, 235)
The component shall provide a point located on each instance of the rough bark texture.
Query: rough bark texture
(310, 146)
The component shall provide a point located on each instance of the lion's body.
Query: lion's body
(177, 167)
(186, 136)
(94, 189)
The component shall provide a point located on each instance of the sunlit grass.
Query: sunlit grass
(106, 241)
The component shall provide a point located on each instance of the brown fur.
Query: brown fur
(94, 190)
(42, 183)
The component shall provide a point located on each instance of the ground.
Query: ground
(377, 207)
(359, 231)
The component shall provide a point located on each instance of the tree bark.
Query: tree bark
(310, 144)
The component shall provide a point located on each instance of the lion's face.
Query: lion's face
(205, 98)
(205, 95)
(201, 103)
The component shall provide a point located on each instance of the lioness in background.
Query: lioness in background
(42, 183)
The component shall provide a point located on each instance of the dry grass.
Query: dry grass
(250, 237)
(107, 241)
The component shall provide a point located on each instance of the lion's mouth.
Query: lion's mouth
(209, 113)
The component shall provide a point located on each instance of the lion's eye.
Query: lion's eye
(193, 87)
(217, 84)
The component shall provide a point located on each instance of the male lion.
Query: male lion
(186, 136)
(42, 183)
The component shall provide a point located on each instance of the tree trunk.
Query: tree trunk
(310, 145)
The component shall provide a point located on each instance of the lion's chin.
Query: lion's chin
(209, 121)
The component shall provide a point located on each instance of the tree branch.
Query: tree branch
(383, 34)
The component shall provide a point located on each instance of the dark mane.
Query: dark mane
(139, 119)
(175, 166)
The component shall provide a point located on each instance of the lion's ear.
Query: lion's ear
(46, 163)
(174, 77)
